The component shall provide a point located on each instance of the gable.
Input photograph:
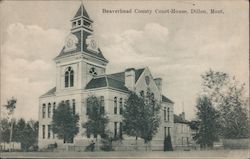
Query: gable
(142, 85)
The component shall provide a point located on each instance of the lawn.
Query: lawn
(220, 154)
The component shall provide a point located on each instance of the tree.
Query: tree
(10, 106)
(65, 122)
(97, 120)
(207, 118)
(233, 113)
(24, 133)
(5, 130)
(227, 95)
(141, 116)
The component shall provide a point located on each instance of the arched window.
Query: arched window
(66, 79)
(69, 77)
(115, 105)
(165, 114)
(49, 110)
(168, 114)
(54, 107)
(120, 106)
(44, 111)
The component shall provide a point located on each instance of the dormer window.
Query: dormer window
(69, 77)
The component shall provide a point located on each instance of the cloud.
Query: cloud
(27, 67)
(178, 56)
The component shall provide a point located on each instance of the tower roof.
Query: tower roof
(81, 12)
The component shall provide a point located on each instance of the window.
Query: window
(120, 106)
(87, 24)
(79, 22)
(43, 131)
(74, 24)
(142, 93)
(168, 130)
(44, 111)
(165, 114)
(115, 129)
(165, 131)
(54, 107)
(49, 129)
(115, 105)
(69, 77)
(66, 80)
(73, 106)
(49, 110)
(102, 105)
(168, 115)
(120, 130)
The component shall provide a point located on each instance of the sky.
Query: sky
(177, 47)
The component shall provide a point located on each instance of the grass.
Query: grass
(213, 154)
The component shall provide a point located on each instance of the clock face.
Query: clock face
(93, 44)
(70, 43)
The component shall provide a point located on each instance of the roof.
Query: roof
(115, 80)
(179, 119)
(50, 92)
(121, 75)
(81, 12)
(82, 44)
(106, 82)
(165, 99)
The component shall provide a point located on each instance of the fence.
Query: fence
(236, 143)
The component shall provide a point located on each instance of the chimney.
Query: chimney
(158, 82)
(182, 115)
(130, 78)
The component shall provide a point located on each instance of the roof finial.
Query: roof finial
(182, 106)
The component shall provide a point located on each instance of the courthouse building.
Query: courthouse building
(81, 72)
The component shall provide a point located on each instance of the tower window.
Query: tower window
(115, 105)
(87, 24)
(69, 77)
(49, 110)
(44, 111)
(74, 24)
(79, 22)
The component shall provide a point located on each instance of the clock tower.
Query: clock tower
(81, 58)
